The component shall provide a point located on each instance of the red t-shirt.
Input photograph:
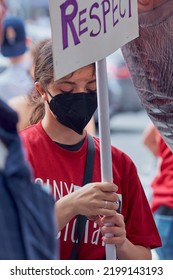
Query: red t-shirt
(162, 184)
(62, 171)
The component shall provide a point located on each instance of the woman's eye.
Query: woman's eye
(65, 89)
(92, 90)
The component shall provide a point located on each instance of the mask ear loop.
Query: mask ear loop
(49, 93)
(50, 96)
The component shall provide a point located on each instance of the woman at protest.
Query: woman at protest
(56, 148)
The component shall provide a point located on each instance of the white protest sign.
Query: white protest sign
(85, 31)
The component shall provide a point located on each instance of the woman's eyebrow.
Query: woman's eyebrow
(65, 82)
(73, 83)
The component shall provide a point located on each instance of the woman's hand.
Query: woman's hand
(114, 232)
(92, 200)
(113, 229)
(96, 199)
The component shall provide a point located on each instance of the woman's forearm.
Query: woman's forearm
(65, 211)
(129, 251)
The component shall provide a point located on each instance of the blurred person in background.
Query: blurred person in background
(150, 60)
(162, 190)
(15, 79)
(26, 211)
(28, 108)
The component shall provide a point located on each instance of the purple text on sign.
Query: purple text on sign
(76, 21)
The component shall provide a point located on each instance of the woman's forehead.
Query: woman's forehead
(86, 72)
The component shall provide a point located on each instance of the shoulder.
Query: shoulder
(22, 106)
(30, 134)
(17, 101)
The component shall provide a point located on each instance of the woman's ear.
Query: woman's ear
(41, 91)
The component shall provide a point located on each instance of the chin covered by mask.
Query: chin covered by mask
(74, 110)
(150, 61)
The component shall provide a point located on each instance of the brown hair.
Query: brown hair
(34, 97)
(44, 72)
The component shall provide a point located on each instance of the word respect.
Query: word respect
(93, 20)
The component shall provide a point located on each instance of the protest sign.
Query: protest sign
(87, 31)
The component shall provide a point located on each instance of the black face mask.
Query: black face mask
(74, 110)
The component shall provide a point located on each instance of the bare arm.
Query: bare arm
(130, 251)
(150, 139)
(21, 105)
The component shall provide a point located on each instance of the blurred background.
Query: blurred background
(128, 120)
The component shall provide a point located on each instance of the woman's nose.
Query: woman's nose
(81, 89)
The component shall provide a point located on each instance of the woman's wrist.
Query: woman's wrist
(73, 204)
(65, 210)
